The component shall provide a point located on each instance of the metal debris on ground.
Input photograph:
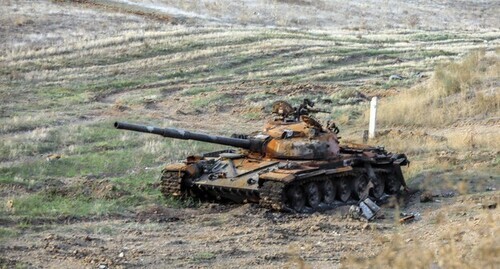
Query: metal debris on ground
(354, 212)
(395, 77)
(409, 217)
(448, 194)
(406, 219)
(369, 209)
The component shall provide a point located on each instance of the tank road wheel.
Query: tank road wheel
(344, 189)
(329, 191)
(313, 195)
(361, 186)
(296, 198)
(392, 184)
(378, 186)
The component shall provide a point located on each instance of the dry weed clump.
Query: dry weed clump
(457, 90)
(462, 244)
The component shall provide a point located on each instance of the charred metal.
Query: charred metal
(296, 164)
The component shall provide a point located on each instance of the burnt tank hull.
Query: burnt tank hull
(296, 164)
(293, 186)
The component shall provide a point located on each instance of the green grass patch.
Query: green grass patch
(93, 197)
(344, 76)
(203, 256)
(25, 123)
(197, 90)
(6, 233)
(252, 115)
(89, 197)
(210, 100)
(44, 205)
(110, 163)
(259, 96)
(433, 36)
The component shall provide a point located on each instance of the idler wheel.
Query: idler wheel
(378, 186)
(361, 187)
(392, 184)
(296, 198)
(313, 196)
(344, 190)
(329, 191)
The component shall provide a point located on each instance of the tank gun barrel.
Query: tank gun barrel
(255, 145)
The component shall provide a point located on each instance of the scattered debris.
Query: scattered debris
(420, 75)
(354, 212)
(448, 194)
(369, 209)
(406, 219)
(409, 217)
(395, 77)
(53, 157)
(491, 189)
(426, 197)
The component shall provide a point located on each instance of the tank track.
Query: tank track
(273, 193)
(171, 183)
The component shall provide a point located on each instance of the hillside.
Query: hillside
(75, 192)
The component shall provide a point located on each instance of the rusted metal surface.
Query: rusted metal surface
(407, 219)
(295, 164)
(176, 167)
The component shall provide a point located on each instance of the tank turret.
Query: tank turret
(304, 139)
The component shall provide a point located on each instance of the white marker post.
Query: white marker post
(373, 118)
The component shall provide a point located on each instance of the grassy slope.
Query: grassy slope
(62, 100)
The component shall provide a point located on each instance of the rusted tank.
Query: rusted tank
(296, 164)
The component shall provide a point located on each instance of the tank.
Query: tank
(294, 164)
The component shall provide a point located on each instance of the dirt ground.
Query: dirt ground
(245, 236)
(451, 229)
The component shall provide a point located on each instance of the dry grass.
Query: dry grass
(62, 89)
(458, 91)
(446, 244)
(360, 15)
